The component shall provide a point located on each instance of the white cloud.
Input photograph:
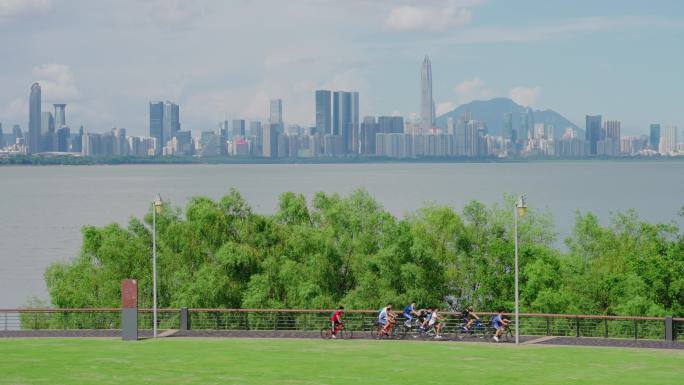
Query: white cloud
(14, 8)
(525, 96)
(472, 89)
(435, 17)
(443, 108)
(56, 82)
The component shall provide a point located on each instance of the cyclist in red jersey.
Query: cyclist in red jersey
(336, 319)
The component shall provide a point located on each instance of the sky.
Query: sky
(225, 59)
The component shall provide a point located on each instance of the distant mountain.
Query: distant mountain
(492, 112)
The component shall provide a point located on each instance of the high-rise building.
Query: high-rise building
(60, 115)
(171, 123)
(526, 128)
(369, 128)
(238, 128)
(427, 104)
(63, 135)
(47, 132)
(270, 140)
(654, 137)
(391, 124)
(2, 137)
(508, 126)
(157, 122)
(34, 141)
(352, 142)
(668, 140)
(164, 122)
(275, 112)
(593, 132)
(323, 113)
(346, 119)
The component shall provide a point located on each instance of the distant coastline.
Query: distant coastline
(91, 161)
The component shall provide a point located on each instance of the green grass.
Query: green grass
(290, 361)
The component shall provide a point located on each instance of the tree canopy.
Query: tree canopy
(348, 250)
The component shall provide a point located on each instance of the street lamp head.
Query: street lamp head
(158, 204)
(521, 205)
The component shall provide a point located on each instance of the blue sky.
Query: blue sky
(225, 59)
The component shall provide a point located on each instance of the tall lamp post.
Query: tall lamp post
(518, 211)
(158, 204)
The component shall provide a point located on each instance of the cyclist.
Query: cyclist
(422, 315)
(409, 312)
(434, 321)
(386, 319)
(427, 315)
(499, 323)
(469, 316)
(336, 319)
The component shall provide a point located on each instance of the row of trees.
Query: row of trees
(349, 250)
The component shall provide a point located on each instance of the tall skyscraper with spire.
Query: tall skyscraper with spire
(427, 104)
(34, 119)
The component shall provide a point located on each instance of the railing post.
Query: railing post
(577, 325)
(636, 330)
(605, 327)
(275, 321)
(548, 326)
(184, 319)
(669, 329)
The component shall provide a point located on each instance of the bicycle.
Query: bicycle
(476, 330)
(507, 335)
(340, 331)
(395, 332)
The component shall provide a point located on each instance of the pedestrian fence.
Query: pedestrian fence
(650, 328)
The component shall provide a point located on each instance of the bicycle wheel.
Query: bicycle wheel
(400, 332)
(376, 332)
(345, 334)
(508, 336)
(326, 333)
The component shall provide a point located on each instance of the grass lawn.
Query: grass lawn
(291, 361)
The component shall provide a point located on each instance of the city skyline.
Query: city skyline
(552, 60)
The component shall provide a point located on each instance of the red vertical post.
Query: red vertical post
(129, 309)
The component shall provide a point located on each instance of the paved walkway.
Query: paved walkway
(568, 341)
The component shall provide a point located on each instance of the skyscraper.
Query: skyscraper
(238, 128)
(60, 115)
(368, 130)
(346, 119)
(2, 137)
(654, 137)
(34, 119)
(275, 112)
(171, 122)
(157, 122)
(270, 140)
(47, 131)
(323, 114)
(427, 104)
(593, 132)
(353, 143)
(508, 126)
(668, 140)
(164, 122)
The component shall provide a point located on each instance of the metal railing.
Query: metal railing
(651, 328)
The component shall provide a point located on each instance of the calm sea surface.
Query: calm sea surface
(43, 208)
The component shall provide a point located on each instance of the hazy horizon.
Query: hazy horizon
(225, 60)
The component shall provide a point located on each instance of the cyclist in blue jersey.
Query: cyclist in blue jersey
(499, 323)
(409, 312)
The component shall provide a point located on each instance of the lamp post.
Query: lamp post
(158, 204)
(519, 210)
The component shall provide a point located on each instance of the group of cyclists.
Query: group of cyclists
(427, 319)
